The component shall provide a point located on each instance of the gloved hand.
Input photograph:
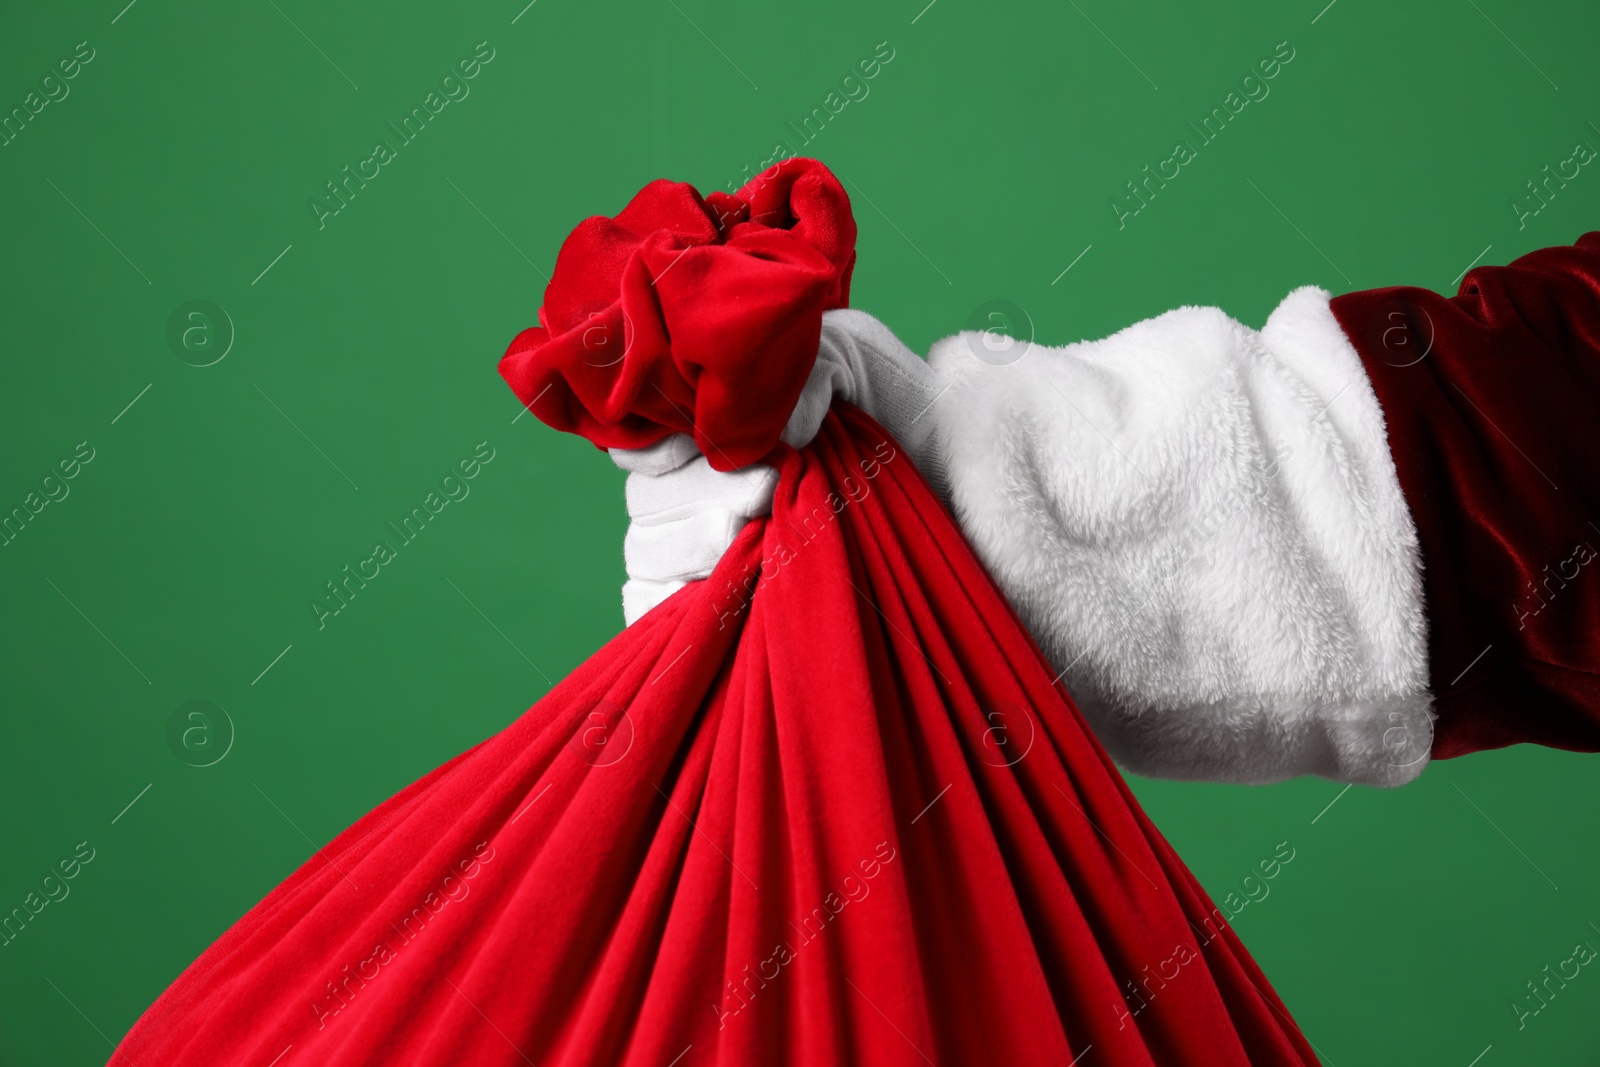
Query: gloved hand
(861, 361)
(684, 514)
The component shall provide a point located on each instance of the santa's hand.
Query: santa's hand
(683, 516)
(861, 361)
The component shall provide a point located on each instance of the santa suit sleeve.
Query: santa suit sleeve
(1492, 400)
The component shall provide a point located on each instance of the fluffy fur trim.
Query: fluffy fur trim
(1203, 528)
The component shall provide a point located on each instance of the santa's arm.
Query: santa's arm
(1205, 529)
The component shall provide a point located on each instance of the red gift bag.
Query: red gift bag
(827, 807)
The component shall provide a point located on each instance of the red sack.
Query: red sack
(828, 807)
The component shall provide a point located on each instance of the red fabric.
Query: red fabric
(1492, 399)
(825, 808)
(657, 320)
(828, 807)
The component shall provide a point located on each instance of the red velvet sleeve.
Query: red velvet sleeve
(1492, 399)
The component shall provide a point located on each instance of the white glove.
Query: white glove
(685, 514)
(860, 360)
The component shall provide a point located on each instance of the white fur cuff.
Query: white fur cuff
(1202, 526)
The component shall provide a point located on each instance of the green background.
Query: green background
(217, 506)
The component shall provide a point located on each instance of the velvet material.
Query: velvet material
(1492, 399)
(711, 301)
(828, 807)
